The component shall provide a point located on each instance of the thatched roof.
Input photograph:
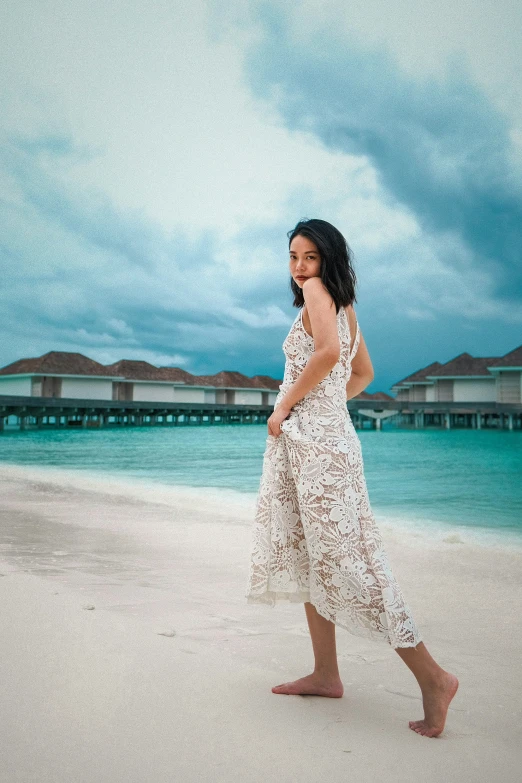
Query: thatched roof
(133, 369)
(229, 379)
(267, 382)
(420, 375)
(64, 363)
(57, 363)
(511, 359)
(465, 364)
(177, 375)
(374, 396)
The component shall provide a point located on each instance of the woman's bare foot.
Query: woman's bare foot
(312, 685)
(436, 699)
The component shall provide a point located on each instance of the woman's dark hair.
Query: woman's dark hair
(336, 269)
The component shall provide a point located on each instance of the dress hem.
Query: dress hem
(271, 598)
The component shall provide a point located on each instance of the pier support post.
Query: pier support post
(447, 421)
(510, 421)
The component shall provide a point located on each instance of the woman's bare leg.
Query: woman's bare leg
(437, 685)
(324, 680)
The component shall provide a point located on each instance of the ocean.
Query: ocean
(457, 478)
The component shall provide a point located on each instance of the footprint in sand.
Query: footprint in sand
(453, 538)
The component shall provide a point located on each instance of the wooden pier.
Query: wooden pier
(60, 413)
(406, 414)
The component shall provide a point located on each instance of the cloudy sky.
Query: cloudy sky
(155, 153)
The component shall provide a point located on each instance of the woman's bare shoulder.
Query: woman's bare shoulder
(315, 289)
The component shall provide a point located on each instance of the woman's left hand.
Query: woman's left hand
(274, 422)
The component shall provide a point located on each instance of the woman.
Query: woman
(315, 539)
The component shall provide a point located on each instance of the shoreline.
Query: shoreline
(125, 636)
(240, 505)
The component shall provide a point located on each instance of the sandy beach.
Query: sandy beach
(130, 654)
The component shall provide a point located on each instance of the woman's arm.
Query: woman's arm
(357, 384)
(362, 368)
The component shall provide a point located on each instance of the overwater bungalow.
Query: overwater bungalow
(70, 389)
(466, 378)
(59, 375)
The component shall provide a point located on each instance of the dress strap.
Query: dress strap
(349, 331)
(357, 339)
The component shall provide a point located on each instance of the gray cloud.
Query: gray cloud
(85, 276)
(136, 226)
(439, 145)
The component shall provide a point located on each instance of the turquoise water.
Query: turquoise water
(460, 477)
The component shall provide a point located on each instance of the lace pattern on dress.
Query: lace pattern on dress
(314, 535)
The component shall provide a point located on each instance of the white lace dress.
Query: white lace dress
(314, 536)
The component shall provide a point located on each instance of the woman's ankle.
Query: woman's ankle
(327, 673)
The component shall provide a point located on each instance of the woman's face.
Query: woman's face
(305, 260)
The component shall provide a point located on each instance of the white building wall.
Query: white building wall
(17, 386)
(418, 393)
(189, 394)
(210, 395)
(87, 388)
(509, 386)
(153, 392)
(430, 393)
(248, 397)
(474, 390)
(272, 396)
